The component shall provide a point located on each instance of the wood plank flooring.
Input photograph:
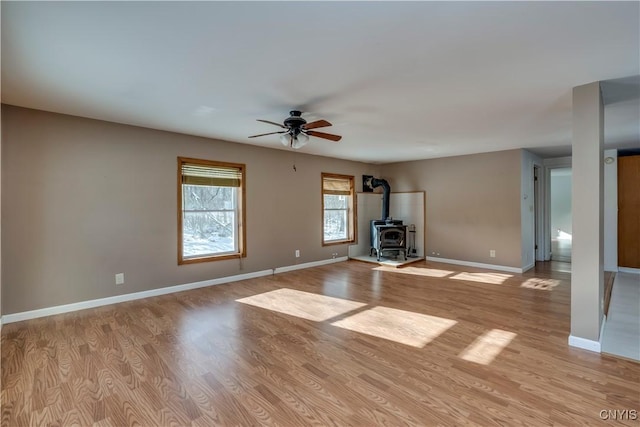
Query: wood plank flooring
(427, 344)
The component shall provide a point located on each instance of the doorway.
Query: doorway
(560, 213)
(628, 211)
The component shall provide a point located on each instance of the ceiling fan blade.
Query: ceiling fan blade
(316, 124)
(272, 123)
(334, 138)
(270, 133)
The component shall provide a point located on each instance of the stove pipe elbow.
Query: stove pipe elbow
(386, 190)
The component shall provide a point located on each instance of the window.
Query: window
(210, 210)
(338, 209)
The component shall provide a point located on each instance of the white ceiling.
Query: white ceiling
(399, 81)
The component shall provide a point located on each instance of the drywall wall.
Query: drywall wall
(85, 199)
(1, 107)
(472, 204)
(560, 201)
(409, 207)
(0, 204)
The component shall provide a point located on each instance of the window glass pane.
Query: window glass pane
(335, 202)
(335, 224)
(209, 231)
(200, 197)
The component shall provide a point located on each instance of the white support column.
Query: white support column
(587, 269)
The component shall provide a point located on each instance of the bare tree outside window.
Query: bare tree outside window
(335, 217)
(209, 220)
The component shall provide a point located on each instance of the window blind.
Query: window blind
(331, 185)
(215, 176)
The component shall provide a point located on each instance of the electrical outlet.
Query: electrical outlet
(119, 278)
(297, 253)
(492, 253)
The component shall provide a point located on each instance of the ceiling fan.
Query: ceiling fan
(297, 131)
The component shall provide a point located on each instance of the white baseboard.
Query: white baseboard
(584, 343)
(476, 264)
(67, 308)
(629, 270)
(309, 264)
(528, 267)
(589, 344)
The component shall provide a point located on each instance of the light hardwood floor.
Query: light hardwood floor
(343, 344)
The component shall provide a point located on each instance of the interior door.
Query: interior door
(628, 212)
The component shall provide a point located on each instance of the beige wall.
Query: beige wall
(85, 199)
(1, 108)
(0, 235)
(0, 209)
(472, 204)
(0, 220)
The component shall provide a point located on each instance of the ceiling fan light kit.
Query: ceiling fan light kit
(297, 130)
(297, 141)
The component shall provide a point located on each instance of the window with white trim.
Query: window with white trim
(338, 209)
(210, 210)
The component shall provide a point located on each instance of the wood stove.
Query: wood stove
(386, 234)
(390, 235)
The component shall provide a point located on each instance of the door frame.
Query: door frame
(545, 198)
(538, 181)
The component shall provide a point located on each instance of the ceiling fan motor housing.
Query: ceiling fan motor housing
(295, 121)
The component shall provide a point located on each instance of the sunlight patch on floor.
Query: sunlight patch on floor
(564, 236)
(404, 327)
(417, 271)
(490, 278)
(540, 284)
(487, 346)
(302, 304)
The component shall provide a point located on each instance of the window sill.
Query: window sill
(338, 242)
(182, 261)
